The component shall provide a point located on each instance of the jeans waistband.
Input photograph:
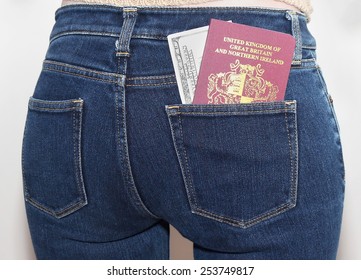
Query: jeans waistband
(158, 22)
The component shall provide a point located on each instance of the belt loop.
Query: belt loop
(129, 19)
(296, 32)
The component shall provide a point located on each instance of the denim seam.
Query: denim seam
(128, 177)
(280, 104)
(327, 95)
(81, 32)
(66, 65)
(151, 77)
(244, 224)
(105, 34)
(134, 36)
(293, 179)
(129, 16)
(234, 113)
(77, 123)
(151, 80)
(59, 102)
(149, 36)
(334, 117)
(295, 161)
(77, 75)
(113, 77)
(74, 70)
(65, 211)
(184, 176)
(144, 85)
(53, 109)
(45, 68)
(23, 162)
(129, 168)
(303, 67)
(190, 189)
(62, 106)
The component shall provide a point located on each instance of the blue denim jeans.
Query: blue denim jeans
(111, 157)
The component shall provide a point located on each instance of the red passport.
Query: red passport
(243, 64)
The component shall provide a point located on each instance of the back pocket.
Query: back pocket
(239, 162)
(51, 154)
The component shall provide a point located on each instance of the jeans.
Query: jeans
(111, 157)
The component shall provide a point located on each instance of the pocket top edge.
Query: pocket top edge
(55, 105)
(233, 109)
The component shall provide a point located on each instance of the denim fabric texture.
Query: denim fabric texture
(111, 157)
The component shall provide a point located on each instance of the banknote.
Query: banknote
(186, 49)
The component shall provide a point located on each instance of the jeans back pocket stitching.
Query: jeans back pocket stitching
(77, 154)
(82, 199)
(269, 214)
(190, 189)
(245, 224)
(293, 162)
(185, 177)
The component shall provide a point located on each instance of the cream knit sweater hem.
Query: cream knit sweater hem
(302, 5)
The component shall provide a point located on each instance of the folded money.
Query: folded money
(186, 49)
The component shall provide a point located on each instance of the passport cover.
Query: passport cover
(243, 64)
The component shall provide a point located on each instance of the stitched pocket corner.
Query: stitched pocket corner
(51, 156)
(239, 162)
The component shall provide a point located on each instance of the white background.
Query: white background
(24, 31)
